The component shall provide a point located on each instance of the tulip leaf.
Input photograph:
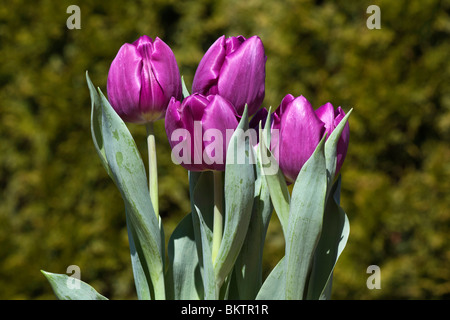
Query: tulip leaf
(248, 266)
(201, 186)
(140, 278)
(142, 287)
(239, 192)
(183, 277)
(305, 222)
(70, 288)
(274, 287)
(335, 232)
(331, 147)
(129, 174)
(276, 182)
(279, 193)
(96, 124)
(209, 283)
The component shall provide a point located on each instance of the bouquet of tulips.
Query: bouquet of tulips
(241, 160)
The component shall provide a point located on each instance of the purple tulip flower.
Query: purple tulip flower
(141, 80)
(197, 131)
(235, 69)
(301, 129)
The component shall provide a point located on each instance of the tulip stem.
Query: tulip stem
(152, 168)
(218, 214)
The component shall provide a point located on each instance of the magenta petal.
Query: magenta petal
(142, 40)
(179, 116)
(233, 43)
(332, 118)
(152, 94)
(276, 125)
(219, 115)
(208, 70)
(124, 82)
(166, 69)
(196, 115)
(242, 78)
(301, 131)
(326, 115)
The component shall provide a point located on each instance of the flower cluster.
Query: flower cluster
(216, 250)
(144, 85)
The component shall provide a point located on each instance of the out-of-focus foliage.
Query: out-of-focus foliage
(58, 207)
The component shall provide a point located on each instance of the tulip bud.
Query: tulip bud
(301, 129)
(300, 132)
(235, 69)
(141, 80)
(197, 131)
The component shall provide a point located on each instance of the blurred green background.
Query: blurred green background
(58, 206)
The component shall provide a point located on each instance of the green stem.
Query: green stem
(218, 213)
(152, 168)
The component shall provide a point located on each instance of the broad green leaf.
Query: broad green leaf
(128, 171)
(69, 288)
(248, 266)
(142, 287)
(305, 222)
(274, 287)
(183, 278)
(331, 148)
(335, 232)
(239, 192)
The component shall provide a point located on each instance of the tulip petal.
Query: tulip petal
(326, 115)
(219, 115)
(243, 75)
(124, 82)
(196, 115)
(166, 70)
(331, 119)
(209, 67)
(152, 93)
(276, 125)
(301, 131)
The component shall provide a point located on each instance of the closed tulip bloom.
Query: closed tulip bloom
(300, 132)
(142, 78)
(197, 131)
(235, 69)
(331, 118)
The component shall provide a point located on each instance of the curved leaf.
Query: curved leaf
(305, 222)
(63, 291)
(129, 174)
(274, 287)
(248, 266)
(239, 192)
(335, 232)
(183, 274)
(140, 279)
(276, 182)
